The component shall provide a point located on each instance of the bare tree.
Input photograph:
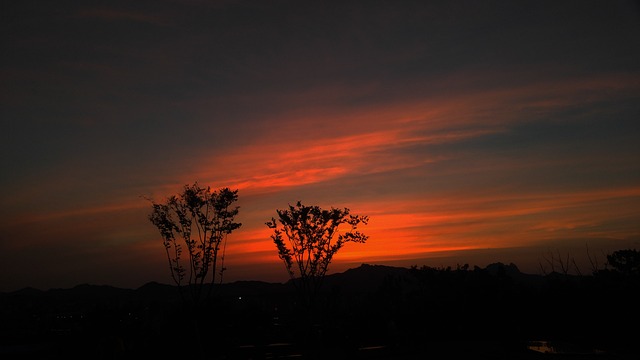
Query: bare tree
(594, 262)
(558, 263)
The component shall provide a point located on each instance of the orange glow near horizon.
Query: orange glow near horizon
(409, 228)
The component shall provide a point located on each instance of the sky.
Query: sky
(468, 131)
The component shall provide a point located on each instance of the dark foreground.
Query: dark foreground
(372, 312)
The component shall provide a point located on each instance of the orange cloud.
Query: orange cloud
(376, 139)
(267, 167)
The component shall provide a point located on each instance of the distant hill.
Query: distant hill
(366, 277)
(368, 305)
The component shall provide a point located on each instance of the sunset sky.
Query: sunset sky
(468, 131)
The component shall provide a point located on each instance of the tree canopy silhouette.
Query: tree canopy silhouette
(196, 222)
(626, 261)
(307, 239)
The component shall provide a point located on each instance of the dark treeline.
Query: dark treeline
(371, 311)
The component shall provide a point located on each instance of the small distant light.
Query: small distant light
(239, 297)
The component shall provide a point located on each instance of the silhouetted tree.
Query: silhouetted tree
(626, 261)
(307, 239)
(196, 222)
(559, 264)
(194, 226)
